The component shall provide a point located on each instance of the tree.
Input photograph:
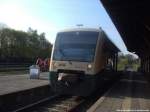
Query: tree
(19, 45)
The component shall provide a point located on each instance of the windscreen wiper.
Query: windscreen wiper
(62, 53)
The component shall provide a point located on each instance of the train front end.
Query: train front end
(72, 62)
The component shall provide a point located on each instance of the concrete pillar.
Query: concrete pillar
(116, 61)
(113, 61)
(147, 64)
(143, 64)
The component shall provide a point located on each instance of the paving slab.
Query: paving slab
(15, 83)
(131, 93)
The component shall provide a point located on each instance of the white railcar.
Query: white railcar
(78, 58)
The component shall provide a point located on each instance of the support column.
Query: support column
(144, 64)
(113, 57)
(116, 61)
(149, 64)
(141, 64)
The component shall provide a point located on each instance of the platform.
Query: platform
(13, 83)
(17, 91)
(131, 93)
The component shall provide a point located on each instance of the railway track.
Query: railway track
(54, 104)
(64, 103)
(61, 103)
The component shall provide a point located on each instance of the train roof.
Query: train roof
(111, 45)
(81, 29)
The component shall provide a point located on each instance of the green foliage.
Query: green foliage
(125, 61)
(122, 62)
(25, 45)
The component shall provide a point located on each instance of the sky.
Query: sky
(51, 16)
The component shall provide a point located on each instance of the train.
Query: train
(78, 61)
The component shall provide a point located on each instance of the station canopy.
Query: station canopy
(132, 19)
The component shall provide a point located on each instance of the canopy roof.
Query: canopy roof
(132, 19)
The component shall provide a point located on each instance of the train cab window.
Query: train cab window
(76, 46)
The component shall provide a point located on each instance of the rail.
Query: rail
(66, 103)
(54, 103)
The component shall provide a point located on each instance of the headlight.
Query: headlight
(89, 66)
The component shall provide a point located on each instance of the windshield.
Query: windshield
(75, 46)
